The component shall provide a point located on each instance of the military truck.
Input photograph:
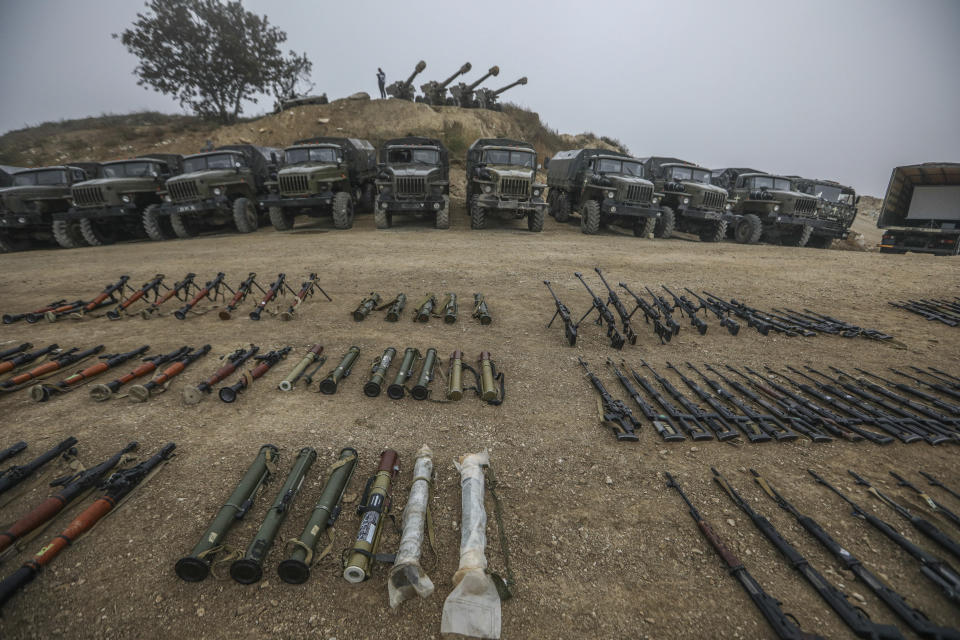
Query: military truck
(29, 204)
(413, 177)
(501, 180)
(404, 89)
(322, 177)
(690, 202)
(605, 187)
(769, 207)
(836, 209)
(216, 188)
(921, 210)
(112, 206)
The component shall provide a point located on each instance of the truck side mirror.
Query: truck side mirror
(857, 201)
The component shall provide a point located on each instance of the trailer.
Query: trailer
(921, 210)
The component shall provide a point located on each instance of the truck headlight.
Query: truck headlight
(611, 194)
(167, 198)
(727, 207)
(655, 200)
(487, 188)
(536, 193)
(776, 208)
(686, 201)
(22, 220)
(126, 199)
(217, 191)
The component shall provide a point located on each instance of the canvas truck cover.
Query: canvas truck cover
(566, 167)
(359, 154)
(923, 195)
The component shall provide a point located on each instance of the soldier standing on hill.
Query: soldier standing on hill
(381, 82)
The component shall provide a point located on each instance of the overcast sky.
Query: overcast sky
(842, 89)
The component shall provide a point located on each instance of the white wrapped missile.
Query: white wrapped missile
(407, 578)
(473, 607)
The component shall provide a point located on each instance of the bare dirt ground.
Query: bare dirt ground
(600, 547)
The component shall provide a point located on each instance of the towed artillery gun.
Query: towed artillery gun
(463, 93)
(487, 98)
(405, 90)
(435, 93)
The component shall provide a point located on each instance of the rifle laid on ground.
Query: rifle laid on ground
(103, 392)
(12, 476)
(569, 326)
(686, 421)
(241, 294)
(935, 506)
(614, 300)
(12, 450)
(148, 287)
(919, 393)
(613, 411)
(946, 389)
(936, 483)
(604, 315)
(650, 315)
(660, 422)
(731, 325)
(666, 310)
(683, 303)
(694, 413)
(745, 422)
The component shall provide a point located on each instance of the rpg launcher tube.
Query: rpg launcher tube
(249, 568)
(212, 286)
(42, 392)
(193, 395)
(313, 353)
(275, 289)
(103, 392)
(141, 392)
(64, 360)
(488, 387)
(308, 378)
(455, 376)
(12, 450)
(118, 486)
(380, 367)
(407, 578)
(196, 566)
(367, 305)
(329, 384)
(10, 318)
(18, 473)
(240, 295)
(183, 285)
(372, 510)
(74, 487)
(393, 313)
(15, 350)
(425, 308)
(105, 295)
(62, 308)
(480, 310)
(421, 390)
(229, 394)
(25, 358)
(450, 309)
(153, 285)
(410, 357)
(296, 568)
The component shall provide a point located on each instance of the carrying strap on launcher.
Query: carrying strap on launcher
(504, 587)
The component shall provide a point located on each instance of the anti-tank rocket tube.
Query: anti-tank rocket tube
(407, 578)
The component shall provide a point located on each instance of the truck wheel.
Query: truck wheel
(797, 238)
(154, 225)
(748, 230)
(478, 214)
(94, 233)
(67, 235)
(183, 225)
(443, 215)
(820, 242)
(665, 224)
(280, 219)
(245, 215)
(563, 208)
(342, 210)
(6, 244)
(535, 220)
(716, 232)
(367, 197)
(590, 217)
(380, 216)
(644, 227)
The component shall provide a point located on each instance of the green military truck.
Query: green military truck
(921, 210)
(690, 203)
(112, 206)
(31, 201)
(215, 189)
(836, 209)
(605, 187)
(322, 177)
(769, 207)
(413, 178)
(501, 181)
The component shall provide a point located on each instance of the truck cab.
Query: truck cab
(691, 203)
(501, 180)
(413, 177)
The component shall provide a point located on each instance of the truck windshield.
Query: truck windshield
(606, 165)
(769, 182)
(400, 155)
(689, 173)
(55, 176)
(216, 161)
(826, 192)
(318, 154)
(502, 156)
(129, 170)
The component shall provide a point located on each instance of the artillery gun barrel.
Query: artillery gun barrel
(459, 72)
(522, 80)
(492, 71)
(416, 71)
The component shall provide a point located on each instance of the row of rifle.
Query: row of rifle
(429, 307)
(783, 407)
(471, 607)
(110, 477)
(155, 293)
(658, 316)
(933, 309)
(938, 571)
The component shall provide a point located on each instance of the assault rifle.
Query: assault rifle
(650, 315)
(150, 286)
(769, 423)
(614, 300)
(210, 290)
(749, 426)
(928, 313)
(569, 327)
(936, 483)
(850, 330)
(686, 421)
(694, 413)
(603, 315)
(935, 506)
(950, 389)
(614, 412)
(923, 395)
(660, 421)
(661, 303)
(731, 325)
(683, 303)
(241, 294)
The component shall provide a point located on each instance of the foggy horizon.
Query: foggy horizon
(841, 91)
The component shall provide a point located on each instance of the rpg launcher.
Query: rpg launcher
(240, 295)
(210, 290)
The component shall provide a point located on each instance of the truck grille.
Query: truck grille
(87, 196)
(411, 186)
(635, 193)
(514, 187)
(183, 190)
(293, 184)
(713, 200)
(805, 206)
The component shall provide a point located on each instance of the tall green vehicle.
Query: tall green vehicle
(322, 177)
(217, 189)
(113, 205)
(769, 207)
(502, 181)
(606, 187)
(28, 206)
(836, 209)
(413, 178)
(690, 203)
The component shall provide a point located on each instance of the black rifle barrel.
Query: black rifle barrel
(16, 474)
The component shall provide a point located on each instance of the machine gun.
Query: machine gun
(660, 422)
(603, 315)
(435, 93)
(731, 325)
(614, 300)
(242, 291)
(487, 98)
(405, 90)
(569, 326)
(683, 303)
(613, 411)
(463, 93)
(151, 286)
(650, 315)
(666, 310)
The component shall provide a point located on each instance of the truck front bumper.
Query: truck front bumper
(218, 203)
(413, 204)
(23, 221)
(612, 208)
(519, 207)
(98, 213)
(314, 201)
